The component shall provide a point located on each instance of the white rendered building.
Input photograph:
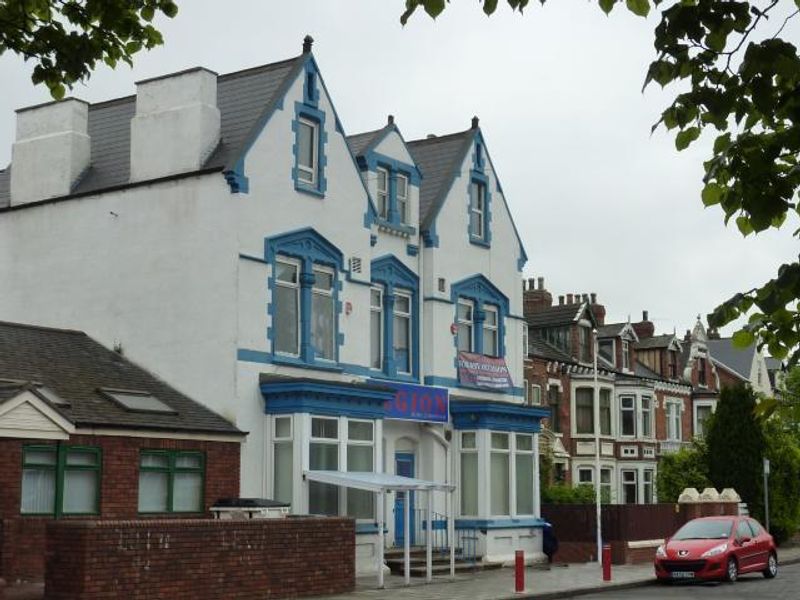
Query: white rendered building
(354, 303)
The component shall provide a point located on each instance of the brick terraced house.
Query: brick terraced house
(84, 432)
(655, 391)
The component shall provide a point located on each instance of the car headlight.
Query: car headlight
(715, 551)
(661, 552)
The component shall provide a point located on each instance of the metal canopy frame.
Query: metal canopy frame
(380, 483)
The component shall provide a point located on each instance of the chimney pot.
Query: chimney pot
(645, 316)
(531, 284)
(593, 295)
(569, 298)
(585, 297)
(541, 283)
(561, 300)
(391, 120)
(430, 136)
(308, 41)
(475, 122)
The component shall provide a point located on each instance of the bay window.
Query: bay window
(283, 459)
(673, 420)
(605, 485)
(60, 480)
(629, 486)
(499, 474)
(627, 411)
(465, 324)
(584, 410)
(469, 473)
(323, 498)
(647, 416)
(286, 323)
(402, 331)
(647, 486)
(323, 313)
(605, 411)
(360, 458)
(523, 462)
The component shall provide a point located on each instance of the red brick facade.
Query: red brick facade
(22, 538)
(200, 559)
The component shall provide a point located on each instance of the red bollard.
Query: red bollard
(519, 571)
(606, 562)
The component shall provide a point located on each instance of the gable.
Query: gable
(27, 416)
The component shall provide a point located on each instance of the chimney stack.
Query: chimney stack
(390, 120)
(644, 328)
(569, 298)
(561, 300)
(598, 310)
(535, 300)
(177, 124)
(51, 151)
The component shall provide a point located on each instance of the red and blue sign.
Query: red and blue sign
(417, 403)
(486, 372)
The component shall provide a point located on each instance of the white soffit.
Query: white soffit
(28, 416)
(375, 482)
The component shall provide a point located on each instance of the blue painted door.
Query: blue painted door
(404, 466)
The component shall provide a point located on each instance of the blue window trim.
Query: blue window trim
(481, 291)
(323, 398)
(371, 161)
(484, 524)
(496, 416)
(391, 273)
(310, 248)
(485, 240)
(309, 109)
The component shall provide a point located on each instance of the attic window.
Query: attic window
(52, 397)
(135, 401)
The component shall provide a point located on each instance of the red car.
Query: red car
(717, 548)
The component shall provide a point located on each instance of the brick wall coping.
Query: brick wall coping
(191, 523)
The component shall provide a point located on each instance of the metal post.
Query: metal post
(429, 539)
(381, 541)
(597, 450)
(537, 484)
(451, 531)
(406, 537)
(766, 493)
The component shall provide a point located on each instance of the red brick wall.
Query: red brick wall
(22, 537)
(200, 559)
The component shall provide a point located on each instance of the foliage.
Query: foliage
(565, 494)
(736, 445)
(66, 38)
(743, 80)
(784, 479)
(686, 468)
(786, 403)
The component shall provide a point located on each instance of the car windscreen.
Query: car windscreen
(716, 529)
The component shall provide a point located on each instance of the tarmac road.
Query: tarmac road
(786, 586)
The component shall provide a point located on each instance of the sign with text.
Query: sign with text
(417, 403)
(482, 371)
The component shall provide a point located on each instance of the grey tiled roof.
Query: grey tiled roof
(657, 341)
(610, 330)
(738, 360)
(540, 348)
(643, 371)
(360, 141)
(439, 159)
(74, 366)
(560, 314)
(244, 98)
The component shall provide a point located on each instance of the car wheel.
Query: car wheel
(772, 566)
(732, 571)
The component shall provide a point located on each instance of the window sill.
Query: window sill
(478, 241)
(383, 376)
(397, 228)
(309, 189)
(300, 364)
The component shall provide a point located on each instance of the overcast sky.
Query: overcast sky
(602, 206)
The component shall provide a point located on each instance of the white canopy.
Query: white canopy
(380, 483)
(376, 482)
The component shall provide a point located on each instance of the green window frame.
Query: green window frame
(66, 466)
(164, 478)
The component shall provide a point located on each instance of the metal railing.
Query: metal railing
(466, 542)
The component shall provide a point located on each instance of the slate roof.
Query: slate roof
(641, 370)
(656, 341)
(610, 330)
(243, 98)
(738, 360)
(560, 314)
(74, 366)
(438, 158)
(359, 142)
(539, 347)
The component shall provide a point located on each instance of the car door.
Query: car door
(744, 546)
(761, 543)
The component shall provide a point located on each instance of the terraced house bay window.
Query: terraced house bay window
(523, 458)
(499, 474)
(627, 407)
(360, 458)
(283, 459)
(469, 473)
(171, 481)
(60, 480)
(584, 410)
(323, 498)
(605, 411)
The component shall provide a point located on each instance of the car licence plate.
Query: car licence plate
(683, 575)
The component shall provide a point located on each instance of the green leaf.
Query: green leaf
(712, 194)
(744, 225)
(743, 339)
(57, 91)
(489, 6)
(686, 137)
(723, 142)
(608, 5)
(639, 7)
(433, 7)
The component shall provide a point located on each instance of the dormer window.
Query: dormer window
(307, 151)
(672, 364)
(701, 371)
(606, 350)
(585, 344)
(626, 356)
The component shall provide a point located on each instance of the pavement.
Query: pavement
(560, 581)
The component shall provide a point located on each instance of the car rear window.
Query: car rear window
(702, 529)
